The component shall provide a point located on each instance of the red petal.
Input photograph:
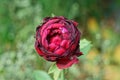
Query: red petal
(44, 41)
(60, 51)
(47, 24)
(65, 43)
(52, 47)
(73, 47)
(66, 62)
(38, 49)
(75, 23)
(46, 19)
(66, 35)
(55, 25)
(57, 40)
(79, 54)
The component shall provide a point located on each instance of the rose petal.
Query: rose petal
(59, 51)
(65, 43)
(38, 37)
(52, 47)
(64, 30)
(78, 53)
(44, 40)
(66, 35)
(47, 24)
(46, 19)
(66, 62)
(38, 49)
(57, 40)
(55, 25)
(49, 58)
(73, 47)
(53, 58)
(75, 23)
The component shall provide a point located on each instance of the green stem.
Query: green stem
(63, 75)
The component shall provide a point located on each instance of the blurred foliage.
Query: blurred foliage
(98, 21)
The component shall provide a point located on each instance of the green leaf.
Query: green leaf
(52, 15)
(41, 75)
(52, 69)
(56, 72)
(85, 46)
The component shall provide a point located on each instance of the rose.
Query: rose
(57, 39)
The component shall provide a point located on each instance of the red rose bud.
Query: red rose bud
(57, 39)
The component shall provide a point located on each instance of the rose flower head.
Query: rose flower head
(57, 40)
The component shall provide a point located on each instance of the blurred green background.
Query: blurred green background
(99, 22)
